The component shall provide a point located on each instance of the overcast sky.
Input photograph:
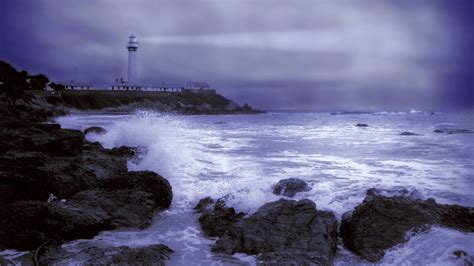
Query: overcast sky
(273, 54)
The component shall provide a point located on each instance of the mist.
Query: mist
(274, 55)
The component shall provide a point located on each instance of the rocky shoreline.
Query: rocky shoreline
(55, 186)
(296, 233)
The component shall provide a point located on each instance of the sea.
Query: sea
(241, 157)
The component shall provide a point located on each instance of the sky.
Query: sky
(272, 54)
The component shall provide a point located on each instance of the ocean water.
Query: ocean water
(242, 156)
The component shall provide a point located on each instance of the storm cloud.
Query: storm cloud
(272, 54)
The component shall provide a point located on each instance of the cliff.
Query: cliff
(172, 102)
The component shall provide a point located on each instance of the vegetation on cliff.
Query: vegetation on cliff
(20, 85)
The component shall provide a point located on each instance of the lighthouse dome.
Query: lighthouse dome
(132, 41)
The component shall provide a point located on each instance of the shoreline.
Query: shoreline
(54, 146)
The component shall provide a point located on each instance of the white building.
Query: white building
(81, 86)
(132, 83)
(132, 48)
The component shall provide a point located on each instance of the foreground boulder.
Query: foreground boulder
(381, 222)
(25, 225)
(216, 220)
(147, 181)
(41, 163)
(289, 187)
(156, 254)
(284, 231)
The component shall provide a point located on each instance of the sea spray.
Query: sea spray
(241, 157)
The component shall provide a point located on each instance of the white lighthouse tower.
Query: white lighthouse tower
(132, 48)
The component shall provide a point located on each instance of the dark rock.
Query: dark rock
(453, 131)
(381, 222)
(289, 187)
(107, 255)
(459, 131)
(25, 225)
(214, 222)
(203, 204)
(109, 209)
(22, 224)
(95, 129)
(284, 230)
(362, 125)
(459, 253)
(407, 133)
(146, 181)
(293, 257)
(124, 151)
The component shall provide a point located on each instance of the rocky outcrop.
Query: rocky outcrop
(42, 162)
(381, 222)
(283, 231)
(27, 224)
(98, 255)
(453, 131)
(95, 130)
(146, 181)
(125, 101)
(289, 187)
(216, 219)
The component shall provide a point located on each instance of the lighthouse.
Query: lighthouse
(132, 48)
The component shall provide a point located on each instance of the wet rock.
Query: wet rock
(215, 221)
(114, 209)
(453, 131)
(95, 129)
(105, 255)
(293, 257)
(44, 139)
(289, 187)
(362, 125)
(22, 225)
(407, 133)
(124, 151)
(381, 222)
(146, 181)
(203, 204)
(283, 230)
(25, 225)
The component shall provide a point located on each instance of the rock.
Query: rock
(468, 259)
(203, 204)
(156, 254)
(22, 224)
(283, 230)
(407, 133)
(459, 131)
(124, 151)
(25, 225)
(453, 131)
(381, 222)
(95, 130)
(146, 181)
(292, 257)
(215, 221)
(289, 187)
(118, 209)
(362, 125)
